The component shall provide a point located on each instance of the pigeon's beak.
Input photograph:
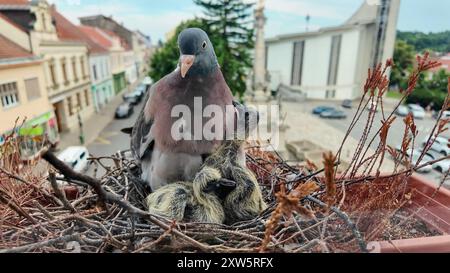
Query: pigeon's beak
(186, 62)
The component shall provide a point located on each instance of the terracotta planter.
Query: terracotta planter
(436, 214)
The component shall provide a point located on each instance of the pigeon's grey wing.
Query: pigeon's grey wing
(142, 140)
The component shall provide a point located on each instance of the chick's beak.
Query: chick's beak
(186, 62)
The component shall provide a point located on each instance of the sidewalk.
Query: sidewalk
(93, 126)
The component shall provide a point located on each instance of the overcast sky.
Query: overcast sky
(157, 17)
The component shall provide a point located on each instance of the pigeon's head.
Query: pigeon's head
(197, 55)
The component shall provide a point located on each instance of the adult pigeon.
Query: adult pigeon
(196, 83)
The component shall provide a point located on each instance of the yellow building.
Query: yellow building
(39, 28)
(23, 94)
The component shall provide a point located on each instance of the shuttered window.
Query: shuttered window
(32, 89)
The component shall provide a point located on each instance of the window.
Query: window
(297, 63)
(70, 106)
(64, 71)
(94, 70)
(74, 69)
(105, 69)
(51, 67)
(79, 106)
(266, 57)
(9, 94)
(44, 21)
(86, 95)
(32, 89)
(334, 64)
(83, 71)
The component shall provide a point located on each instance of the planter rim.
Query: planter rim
(435, 244)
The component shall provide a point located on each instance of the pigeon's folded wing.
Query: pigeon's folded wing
(142, 139)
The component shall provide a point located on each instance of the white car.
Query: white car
(75, 157)
(372, 106)
(402, 110)
(440, 166)
(417, 111)
(440, 145)
(445, 114)
(414, 157)
(147, 81)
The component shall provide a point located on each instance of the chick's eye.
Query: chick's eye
(204, 44)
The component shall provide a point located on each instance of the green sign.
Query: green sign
(35, 126)
(37, 130)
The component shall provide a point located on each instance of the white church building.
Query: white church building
(332, 63)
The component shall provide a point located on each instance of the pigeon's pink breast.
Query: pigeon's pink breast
(173, 91)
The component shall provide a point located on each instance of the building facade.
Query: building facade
(46, 33)
(23, 96)
(117, 50)
(100, 68)
(136, 45)
(332, 63)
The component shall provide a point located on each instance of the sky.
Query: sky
(158, 17)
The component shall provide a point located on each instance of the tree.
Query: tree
(439, 41)
(404, 56)
(165, 60)
(231, 32)
(431, 91)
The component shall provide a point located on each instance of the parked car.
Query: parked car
(75, 157)
(417, 111)
(414, 156)
(372, 106)
(147, 81)
(141, 89)
(440, 145)
(320, 109)
(445, 114)
(402, 111)
(124, 110)
(133, 98)
(347, 104)
(440, 166)
(334, 114)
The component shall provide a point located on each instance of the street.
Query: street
(111, 139)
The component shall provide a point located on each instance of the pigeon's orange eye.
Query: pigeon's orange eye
(204, 44)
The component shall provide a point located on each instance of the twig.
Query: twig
(61, 195)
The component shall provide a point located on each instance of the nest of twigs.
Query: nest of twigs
(309, 210)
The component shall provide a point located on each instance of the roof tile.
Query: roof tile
(10, 50)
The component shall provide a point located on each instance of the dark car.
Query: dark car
(347, 104)
(124, 110)
(141, 89)
(133, 97)
(334, 114)
(321, 109)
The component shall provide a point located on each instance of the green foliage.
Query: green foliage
(439, 41)
(394, 94)
(165, 60)
(404, 55)
(431, 91)
(231, 32)
(426, 97)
